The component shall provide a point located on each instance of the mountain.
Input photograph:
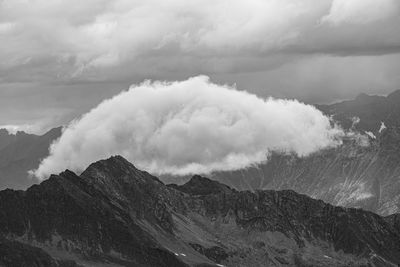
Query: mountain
(20, 153)
(372, 110)
(116, 215)
(5, 138)
(363, 172)
(350, 175)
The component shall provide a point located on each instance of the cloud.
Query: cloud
(323, 79)
(98, 39)
(62, 57)
(191, 126)
(360, 11)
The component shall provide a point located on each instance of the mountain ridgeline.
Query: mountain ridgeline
(116, 215)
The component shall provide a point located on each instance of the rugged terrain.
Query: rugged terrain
(116, 215)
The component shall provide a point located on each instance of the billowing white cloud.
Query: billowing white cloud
(361, 11)
(191, 126)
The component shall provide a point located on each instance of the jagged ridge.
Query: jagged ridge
(115, 213)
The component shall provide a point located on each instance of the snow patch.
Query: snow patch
(370, 134)
(383, 127)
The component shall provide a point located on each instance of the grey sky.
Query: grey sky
(58, 59)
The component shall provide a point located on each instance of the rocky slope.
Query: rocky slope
(20, 153)
(350, 175)
(116, 215)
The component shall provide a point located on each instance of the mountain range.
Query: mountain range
(363, 172)
(114, 214)
(372, 111)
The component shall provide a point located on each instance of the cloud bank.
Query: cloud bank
(89, 39)
(191, 126)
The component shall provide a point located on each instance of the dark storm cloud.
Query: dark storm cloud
(83, 51)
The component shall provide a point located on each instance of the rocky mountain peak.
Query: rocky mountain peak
(117, 179)
(113, 168)
(199, 185)
(116, 171)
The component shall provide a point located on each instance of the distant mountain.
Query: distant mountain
(116, 215)
(372, 110)
(5, 138)
(20, 153)
(350, 175)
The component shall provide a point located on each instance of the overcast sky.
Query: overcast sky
(60, 58)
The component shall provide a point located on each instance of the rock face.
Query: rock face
(116, 215)
(20, 153)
